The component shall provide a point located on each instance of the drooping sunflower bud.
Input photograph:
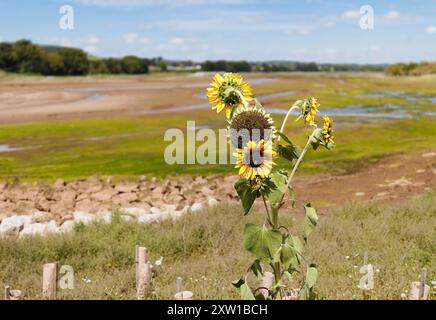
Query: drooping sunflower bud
(309, 108)
(327, 132)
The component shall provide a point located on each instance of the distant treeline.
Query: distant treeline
(230, 66)
(411, 69)
(25, 57)
(278, 66)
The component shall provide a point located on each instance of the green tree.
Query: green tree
(134, 65)
(8, 61)
(29, 57)
(75, 61)
(53, 64)
(98, 66)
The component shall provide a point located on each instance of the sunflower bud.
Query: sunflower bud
(309, 108)
(324, 136)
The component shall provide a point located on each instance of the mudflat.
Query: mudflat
(38, 99)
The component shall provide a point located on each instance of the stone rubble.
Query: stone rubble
(38, 208)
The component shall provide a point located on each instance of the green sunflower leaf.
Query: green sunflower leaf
(289, 152)
(246, 193)
(261, 241)
(243, 288)
(316, 139)
(311, 276)
(289, 254)
(310, 221)
(275, 194)
(284, 137)
(256, 268)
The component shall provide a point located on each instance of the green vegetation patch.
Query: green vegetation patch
(206, 249)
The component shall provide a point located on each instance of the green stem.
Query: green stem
(277, 279)
(275, 218)
(297, 164)
(268, 217)
(294, 106)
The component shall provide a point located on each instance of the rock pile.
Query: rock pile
(39, 208)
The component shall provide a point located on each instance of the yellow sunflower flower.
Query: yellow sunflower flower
(310, 110)
(227, 91)
(327, 131)
(255, 160)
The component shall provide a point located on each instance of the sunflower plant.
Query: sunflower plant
(278, 252)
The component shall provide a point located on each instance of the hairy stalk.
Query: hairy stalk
(297, 164)
(243, 101)
(275, 218)
(277, 268)
(294, 107)
(267, 212)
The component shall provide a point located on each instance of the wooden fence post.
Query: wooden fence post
(143, 272)
(179, 284)
(365, 257)
(136, 264)
(141, 257)
(144, 281)
(49, 281)
(420, 289)
(12, 294)
(267, 282)
(181, 294)
(7, 292)
(15, 295)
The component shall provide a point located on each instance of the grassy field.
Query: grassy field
(206, 250)
(135, 146)
(128, 146)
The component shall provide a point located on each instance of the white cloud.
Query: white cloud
(431, 29)
(144, 40)
(135, 3)
(177, 40)
(90, 49)
(222, 24)
(351, 14)
(87, 43)
(92, 39)
(374, 47)
(132, 38)
(393, 15)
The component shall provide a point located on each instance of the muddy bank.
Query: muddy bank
(60, 200)
(35, 207)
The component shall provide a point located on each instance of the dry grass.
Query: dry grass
(206, 250)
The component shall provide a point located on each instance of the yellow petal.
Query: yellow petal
(218, 79)
(242, 170)
(220, 107)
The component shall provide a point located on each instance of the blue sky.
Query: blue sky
(304, 30)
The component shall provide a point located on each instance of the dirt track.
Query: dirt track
(394, 179)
